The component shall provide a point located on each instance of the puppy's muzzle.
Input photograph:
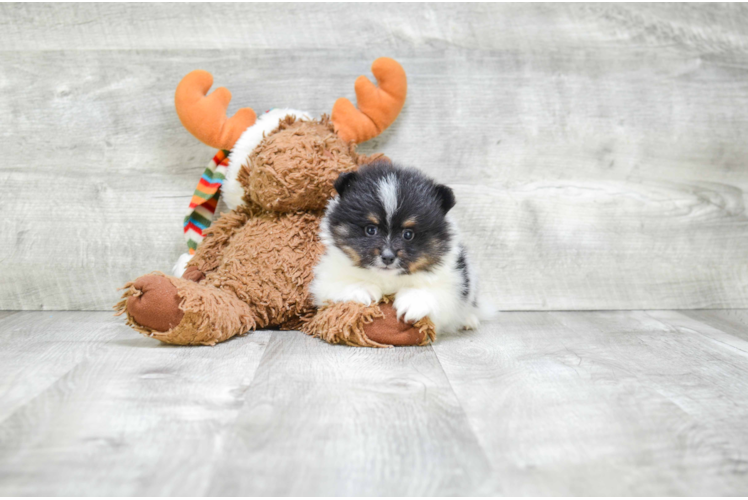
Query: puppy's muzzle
(388, 256)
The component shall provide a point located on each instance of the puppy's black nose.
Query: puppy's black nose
(388, 257)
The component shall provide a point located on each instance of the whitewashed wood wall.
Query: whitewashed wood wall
(599, 152)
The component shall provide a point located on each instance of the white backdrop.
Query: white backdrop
(598, 152)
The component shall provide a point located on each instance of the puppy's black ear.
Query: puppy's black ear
(344, 180)
(446, 197)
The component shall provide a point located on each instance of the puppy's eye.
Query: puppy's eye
(371, 230)
(408, 234)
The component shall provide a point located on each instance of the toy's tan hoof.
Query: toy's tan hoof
(389, 330)
(155, 303)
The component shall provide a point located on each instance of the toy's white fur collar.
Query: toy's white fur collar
(232, 191)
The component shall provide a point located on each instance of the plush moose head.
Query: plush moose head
(285, 160)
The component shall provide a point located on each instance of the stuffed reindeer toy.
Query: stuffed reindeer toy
(252, 268)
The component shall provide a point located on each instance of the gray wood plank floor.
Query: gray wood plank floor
(636, 402)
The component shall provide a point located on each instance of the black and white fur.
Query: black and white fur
(388, 231)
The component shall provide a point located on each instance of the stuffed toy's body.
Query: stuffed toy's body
(252, 268)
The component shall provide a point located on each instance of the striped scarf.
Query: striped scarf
(205, 199)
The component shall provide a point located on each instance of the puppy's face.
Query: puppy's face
(391, 219)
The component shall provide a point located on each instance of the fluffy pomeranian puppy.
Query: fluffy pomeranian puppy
(388, 231)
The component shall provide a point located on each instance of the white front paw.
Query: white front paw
(413, 304)
(364, 293)
(471, 322)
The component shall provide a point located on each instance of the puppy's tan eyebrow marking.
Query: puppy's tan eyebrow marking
(373, 218)
(410, 222)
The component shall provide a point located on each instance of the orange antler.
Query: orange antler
(377, 106)
(204, 116)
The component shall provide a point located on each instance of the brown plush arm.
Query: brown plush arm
(208, 254)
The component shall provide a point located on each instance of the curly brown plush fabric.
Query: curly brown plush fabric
(269, 264)
(217, 236)
(255, 264)
(294, 167)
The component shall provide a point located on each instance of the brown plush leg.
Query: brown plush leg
(154, 303)
(389, 330)
(178, 311)
(367, 326)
